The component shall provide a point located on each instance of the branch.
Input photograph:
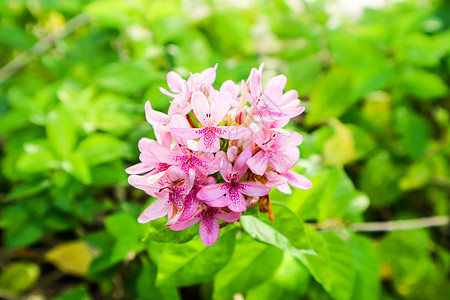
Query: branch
(435, 221)
(402, 224)
(19, 62)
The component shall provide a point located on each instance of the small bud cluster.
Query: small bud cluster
(218, 152)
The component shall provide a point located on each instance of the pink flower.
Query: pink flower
(211, 136)
(210, 116)
(230, 193)
(209, 226)
(278, 150)
(282, 180)
(170, 189)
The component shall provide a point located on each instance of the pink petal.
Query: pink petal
(222, 201)
(232, 153)
(201, 108)
(258, 163)
(174, 218)
(231, 87)
(220, 107)
(298, 181)
(190, 205)
(179, 121)
(278, 81)
(139, 168)
(274, 179)
(272, 96)
(213, 191)
(187, 133)
(209, 230)
(253, 188)
(181, 225)
(225, 169)
(138, 181)
(209, 142)
(283, 161)
(240, 166)
(284, 188)
(155, 117)
(232, 132)
(166, 92)
(156, 210)
(237, 201)
(288, 142)
(208, 75)
(288, 97)
(175, 82)
(228, 217)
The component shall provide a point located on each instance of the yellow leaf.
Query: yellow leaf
(340, 148)
(72, 257)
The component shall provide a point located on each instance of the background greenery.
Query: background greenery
(377, 148)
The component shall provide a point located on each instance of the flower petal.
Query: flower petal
(187, 133)
(213, 191)
(284, 188)
(283, 161)
(175, 82)
(156, 210)
(220, 107)
(258, 163)
(139, 169)
(231, 132)
(208, 75)
(225, 169)
(228, 217)
(231, 87)
(240, 166)
(181, 225)
(209, 230)
(237, 201)
(297, 180)
(222, 201)
(201, 108)
(209, 142)
(278, 81)
(155, 117)
(253, 188)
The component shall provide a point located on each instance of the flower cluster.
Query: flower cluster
(218, 152)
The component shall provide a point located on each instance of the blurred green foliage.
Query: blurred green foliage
(377, 147)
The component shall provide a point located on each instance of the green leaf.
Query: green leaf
(192, 262)
(78, 293)
(125, 77)
(251, 264)
(367, 279)
(20, 227)
(291, 281)
(423, 85)
(158, 231)
(334, 265)
(100, 148)
(14, 37)
(18, 277)
(414, 131)
(36, 158)
(290, 238)
(61, 131)
(145, 284)
(117, 15)
(128, 234)
(331, 96)
(77, 166)
(380, 178)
